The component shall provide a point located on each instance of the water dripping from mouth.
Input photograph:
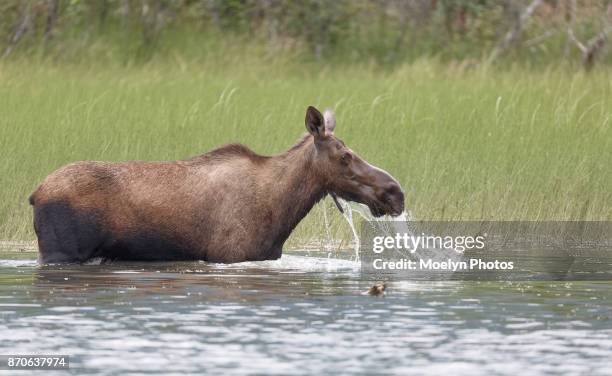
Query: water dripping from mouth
(390, 226)
(385, 224)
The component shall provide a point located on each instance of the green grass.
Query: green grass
(465, 144)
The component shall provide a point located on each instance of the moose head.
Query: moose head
(347, 175)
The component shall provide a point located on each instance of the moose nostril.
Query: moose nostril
(393, 190)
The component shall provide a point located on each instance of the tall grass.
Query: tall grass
(464, 143)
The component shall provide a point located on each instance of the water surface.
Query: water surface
(302, 314)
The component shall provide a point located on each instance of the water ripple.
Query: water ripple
(298, 315)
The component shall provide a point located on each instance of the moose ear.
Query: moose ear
(330, 120)
(315, 123)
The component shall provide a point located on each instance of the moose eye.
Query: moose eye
(346, 158)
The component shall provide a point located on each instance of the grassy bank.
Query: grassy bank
(465, 144)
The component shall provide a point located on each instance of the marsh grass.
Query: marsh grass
(465, 143)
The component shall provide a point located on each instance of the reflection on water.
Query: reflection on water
(297, 315)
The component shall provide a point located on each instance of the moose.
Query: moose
(228, 205)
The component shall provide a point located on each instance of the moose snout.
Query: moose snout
(393, 197)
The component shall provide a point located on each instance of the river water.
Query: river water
(302, 314)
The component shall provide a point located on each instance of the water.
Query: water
(353, 213)
(302, 314)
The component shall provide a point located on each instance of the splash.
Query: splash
(297, 263)
(20, 263)
(385, 224)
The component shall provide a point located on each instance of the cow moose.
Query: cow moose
(227, 205)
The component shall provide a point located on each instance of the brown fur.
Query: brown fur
(228, 205)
